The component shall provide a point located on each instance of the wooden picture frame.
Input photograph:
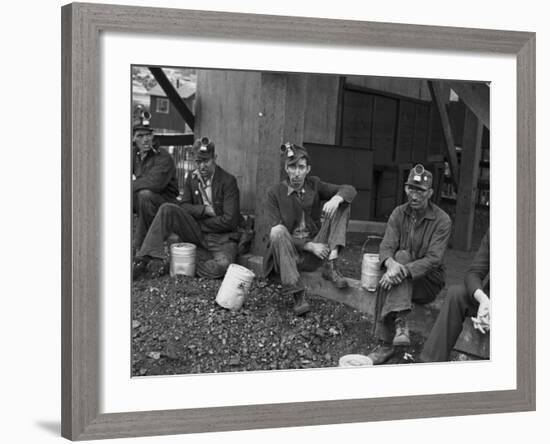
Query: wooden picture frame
(82, 24)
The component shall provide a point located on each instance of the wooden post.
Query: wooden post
(476, 96)
(295, 108)
(282, 111)
(438, 96)
(469, 175)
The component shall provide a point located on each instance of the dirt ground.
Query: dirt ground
(177, 327)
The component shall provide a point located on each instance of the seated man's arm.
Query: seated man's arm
(479, 268)
(229, 219)
(395, 272)
(390, 241)
(434, 254)
(195, 210)
(328, 190)
(158, 178)
(474, 279)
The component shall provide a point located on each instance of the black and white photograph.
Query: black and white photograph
(275, 222)
(286, 221)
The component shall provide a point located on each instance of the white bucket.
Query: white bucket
(235, 287)
(354, 361)
(370, 271)
(182, 259)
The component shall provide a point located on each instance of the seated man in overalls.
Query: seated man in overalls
(412, 253)
(298, 239)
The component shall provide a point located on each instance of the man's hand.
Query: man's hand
(483, 320)
(209, 211)
(320, 250)
(330, 207)
(395, 270)
(385, 282)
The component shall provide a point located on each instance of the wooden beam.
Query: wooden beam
(438, 96)
(295, 108)
(469, 175)
(476, 96)
(173, 96)
(271, 130)
(174, 139)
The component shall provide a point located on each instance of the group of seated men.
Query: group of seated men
(308, 219)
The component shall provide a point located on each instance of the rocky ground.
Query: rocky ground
(178, 328)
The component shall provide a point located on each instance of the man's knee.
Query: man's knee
(457, 294)
(168, 208)
(403, 257)
(278, 232)
(145, 196)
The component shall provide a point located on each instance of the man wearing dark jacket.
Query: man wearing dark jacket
(471, 298)
(154, 180)
(299, 240)
(208, 217)
(411, 252)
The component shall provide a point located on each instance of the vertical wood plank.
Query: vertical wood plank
(469, 175)
(438, 96)
(295, 108)
(322, 117)
(271, 135)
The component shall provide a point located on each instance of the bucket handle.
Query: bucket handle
(369, 238)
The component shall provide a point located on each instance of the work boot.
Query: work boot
(139, 268)
(401, 337)
(331, 273)
(381, 354)
(301, 306)
(158, 267)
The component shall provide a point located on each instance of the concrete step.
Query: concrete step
(355, 296)
(421, 319)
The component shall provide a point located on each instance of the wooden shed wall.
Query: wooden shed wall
(387, 120)
(413, 88)
(227, 110)
(321, 109)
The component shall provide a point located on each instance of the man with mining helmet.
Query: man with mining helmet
(411, 253)
(208, 216)
(154, 179)
(303, 234)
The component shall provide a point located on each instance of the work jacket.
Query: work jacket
(425, 239)
(286, 207)
(156, 172)
(225, 201)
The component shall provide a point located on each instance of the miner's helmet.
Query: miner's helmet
(293, 153)
(420, 177)
(204, 149)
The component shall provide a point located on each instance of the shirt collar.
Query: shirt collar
(429, 214)
(291, 190)
(210, 180)
(152, 152)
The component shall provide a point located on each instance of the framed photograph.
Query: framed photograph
(150, 347)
